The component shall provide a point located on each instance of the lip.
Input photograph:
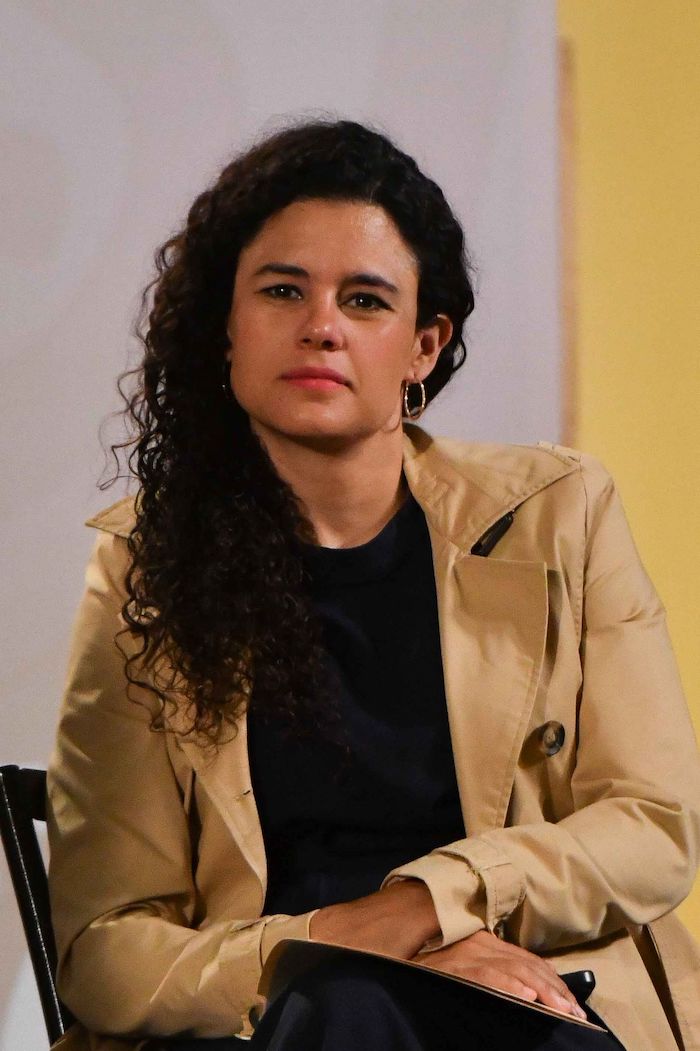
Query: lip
(313, 376)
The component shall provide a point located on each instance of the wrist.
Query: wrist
(415, 902)
(396, 920)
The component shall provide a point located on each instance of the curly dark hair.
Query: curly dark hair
(216, 588)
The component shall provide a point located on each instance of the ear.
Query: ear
(229, 326)
(428, 343)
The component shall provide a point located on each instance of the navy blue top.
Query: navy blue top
(336, 821)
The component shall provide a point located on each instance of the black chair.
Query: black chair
(22, 802)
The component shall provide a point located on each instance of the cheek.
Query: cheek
(249, 349)
(256, 324)
(391, 358)
(245, 376)
(243, 365)
(240, 324)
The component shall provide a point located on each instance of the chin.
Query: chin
(324, 435)
(321, 435)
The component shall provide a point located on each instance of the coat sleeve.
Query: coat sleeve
(123, 899)
(629, 851)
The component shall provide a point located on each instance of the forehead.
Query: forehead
(325, 236)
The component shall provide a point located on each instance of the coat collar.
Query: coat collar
(465, 487)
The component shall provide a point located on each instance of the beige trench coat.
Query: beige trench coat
(158, 869)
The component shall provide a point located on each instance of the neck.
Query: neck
(347, 494)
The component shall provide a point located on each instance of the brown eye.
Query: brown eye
(367, 301)
(282, 292)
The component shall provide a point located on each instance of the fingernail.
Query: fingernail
(569, 1007)
(581, 1013)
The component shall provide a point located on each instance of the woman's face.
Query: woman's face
(323, 323)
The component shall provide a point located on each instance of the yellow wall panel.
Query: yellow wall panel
(635, 99)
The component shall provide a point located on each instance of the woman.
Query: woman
(255, 743)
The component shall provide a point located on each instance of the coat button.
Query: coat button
(551, 736)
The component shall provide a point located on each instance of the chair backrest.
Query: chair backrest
(22, 802)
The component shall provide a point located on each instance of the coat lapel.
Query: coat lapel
(224, 773)
(493, 612)
(493, 624)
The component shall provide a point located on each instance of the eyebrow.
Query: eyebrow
(371, 280)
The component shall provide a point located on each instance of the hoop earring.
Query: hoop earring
(417, 411)
(226, 380)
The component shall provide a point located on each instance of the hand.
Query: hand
(396, 920)
(486, 959)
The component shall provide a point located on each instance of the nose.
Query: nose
(321, 328)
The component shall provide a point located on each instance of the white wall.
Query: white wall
(114, 116)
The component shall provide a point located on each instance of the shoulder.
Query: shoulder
(110, 561)
(118, 519)
(508, 470)
(505, 458)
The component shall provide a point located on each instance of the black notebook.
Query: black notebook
(292, 957)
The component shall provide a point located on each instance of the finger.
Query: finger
(560, 989)
(512, 975)
(550, 988)
(540, 967)
(495, 978)
(505, 982)
(551, 996)
(532, 974)
(484, 948)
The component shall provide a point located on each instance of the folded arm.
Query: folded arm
(628, 852)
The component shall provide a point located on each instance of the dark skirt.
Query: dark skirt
(369, 1006)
